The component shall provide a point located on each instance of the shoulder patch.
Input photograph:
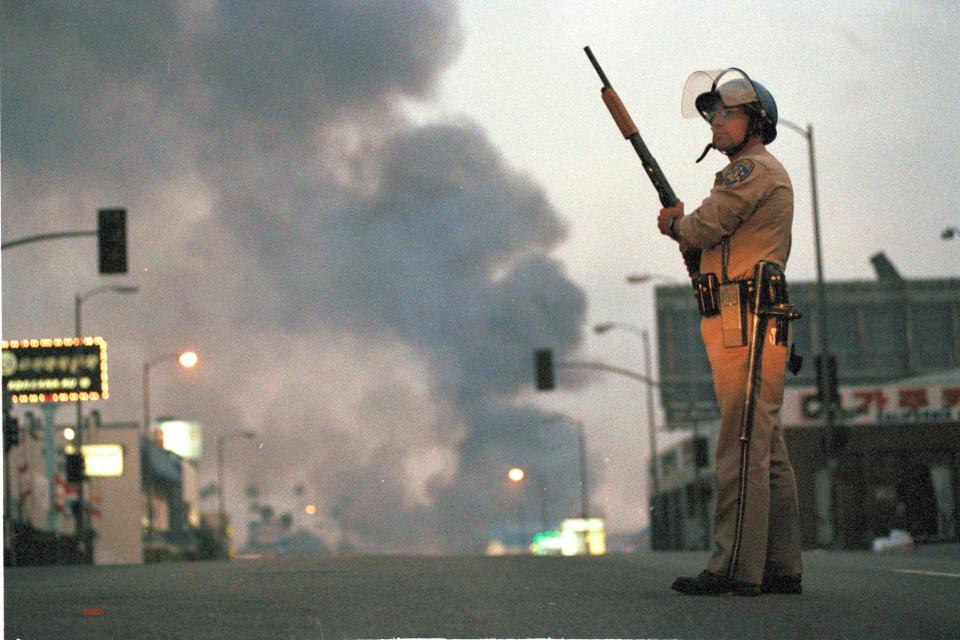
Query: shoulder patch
(737, 172)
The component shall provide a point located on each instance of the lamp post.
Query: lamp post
(823, 339)
(186, 359)
(78, 301)
(220, 499)
(655, 463)
(651, 426)
(518, 475)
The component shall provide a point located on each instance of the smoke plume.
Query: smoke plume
(365, 293)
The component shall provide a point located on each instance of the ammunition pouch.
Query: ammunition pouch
(706, 288)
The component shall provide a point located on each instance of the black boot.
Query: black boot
(711, 584)
(781, 584)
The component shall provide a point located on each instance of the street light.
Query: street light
(186, 359)
(643, 278)
(824, 343)
(249, 435)
(651, 425)
(517, 475)
(78, 301)
(654, 458)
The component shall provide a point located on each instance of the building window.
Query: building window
(844, 336)
(933, 337)
(884, 338)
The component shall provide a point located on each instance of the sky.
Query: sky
(365, 216)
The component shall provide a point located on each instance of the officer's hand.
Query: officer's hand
(666, 215)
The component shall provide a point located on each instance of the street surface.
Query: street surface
(912, 594)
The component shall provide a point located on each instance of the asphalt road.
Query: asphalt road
(846, 595)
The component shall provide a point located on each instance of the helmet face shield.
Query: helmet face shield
(705, 92)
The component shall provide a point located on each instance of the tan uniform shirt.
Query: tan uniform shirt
(751, 203)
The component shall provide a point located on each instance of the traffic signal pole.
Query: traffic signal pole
(46, 236)
(10, 435)
(111, 235)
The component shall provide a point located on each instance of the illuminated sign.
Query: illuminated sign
(583, 536)
(547, 543)
(103, 460)
(182, 438)
(55, 370)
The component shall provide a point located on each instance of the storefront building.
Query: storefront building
(897, 347)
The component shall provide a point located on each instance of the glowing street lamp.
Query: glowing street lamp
(187, 360)
(517, 475)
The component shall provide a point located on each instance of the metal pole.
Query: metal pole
(584, 494)
(824, 341)
(220, 502)
(147, 477)
(543, 500)
(652, 427)
(47, 236)
(81, 524)
(78, 301)
(821, 294)
(220, 482)
(50, 468)
(8, 532)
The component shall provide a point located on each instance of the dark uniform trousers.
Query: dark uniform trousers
(769, 537)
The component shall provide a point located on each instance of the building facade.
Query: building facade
(129, 479)
(896, 462)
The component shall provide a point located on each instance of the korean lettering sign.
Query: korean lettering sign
(55, 370)
(881, 404)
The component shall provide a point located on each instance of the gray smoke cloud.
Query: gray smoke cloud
(365, 294)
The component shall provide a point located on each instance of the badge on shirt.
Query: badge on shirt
(738, 172)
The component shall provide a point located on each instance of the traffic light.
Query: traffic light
(11, 432)
(543, 367)
(11, 426)
(827, 385)
(112, 240)
(74, 465)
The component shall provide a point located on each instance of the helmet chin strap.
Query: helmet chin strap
(729, 152)
(751, 131)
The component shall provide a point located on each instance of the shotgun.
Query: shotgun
(691, 255)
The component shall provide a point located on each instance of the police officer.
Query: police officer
(745, 219)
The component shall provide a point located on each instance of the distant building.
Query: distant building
(129, 478)
(897, 345)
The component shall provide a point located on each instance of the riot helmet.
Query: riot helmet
(706, 92)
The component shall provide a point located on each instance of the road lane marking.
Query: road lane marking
(928, 573)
